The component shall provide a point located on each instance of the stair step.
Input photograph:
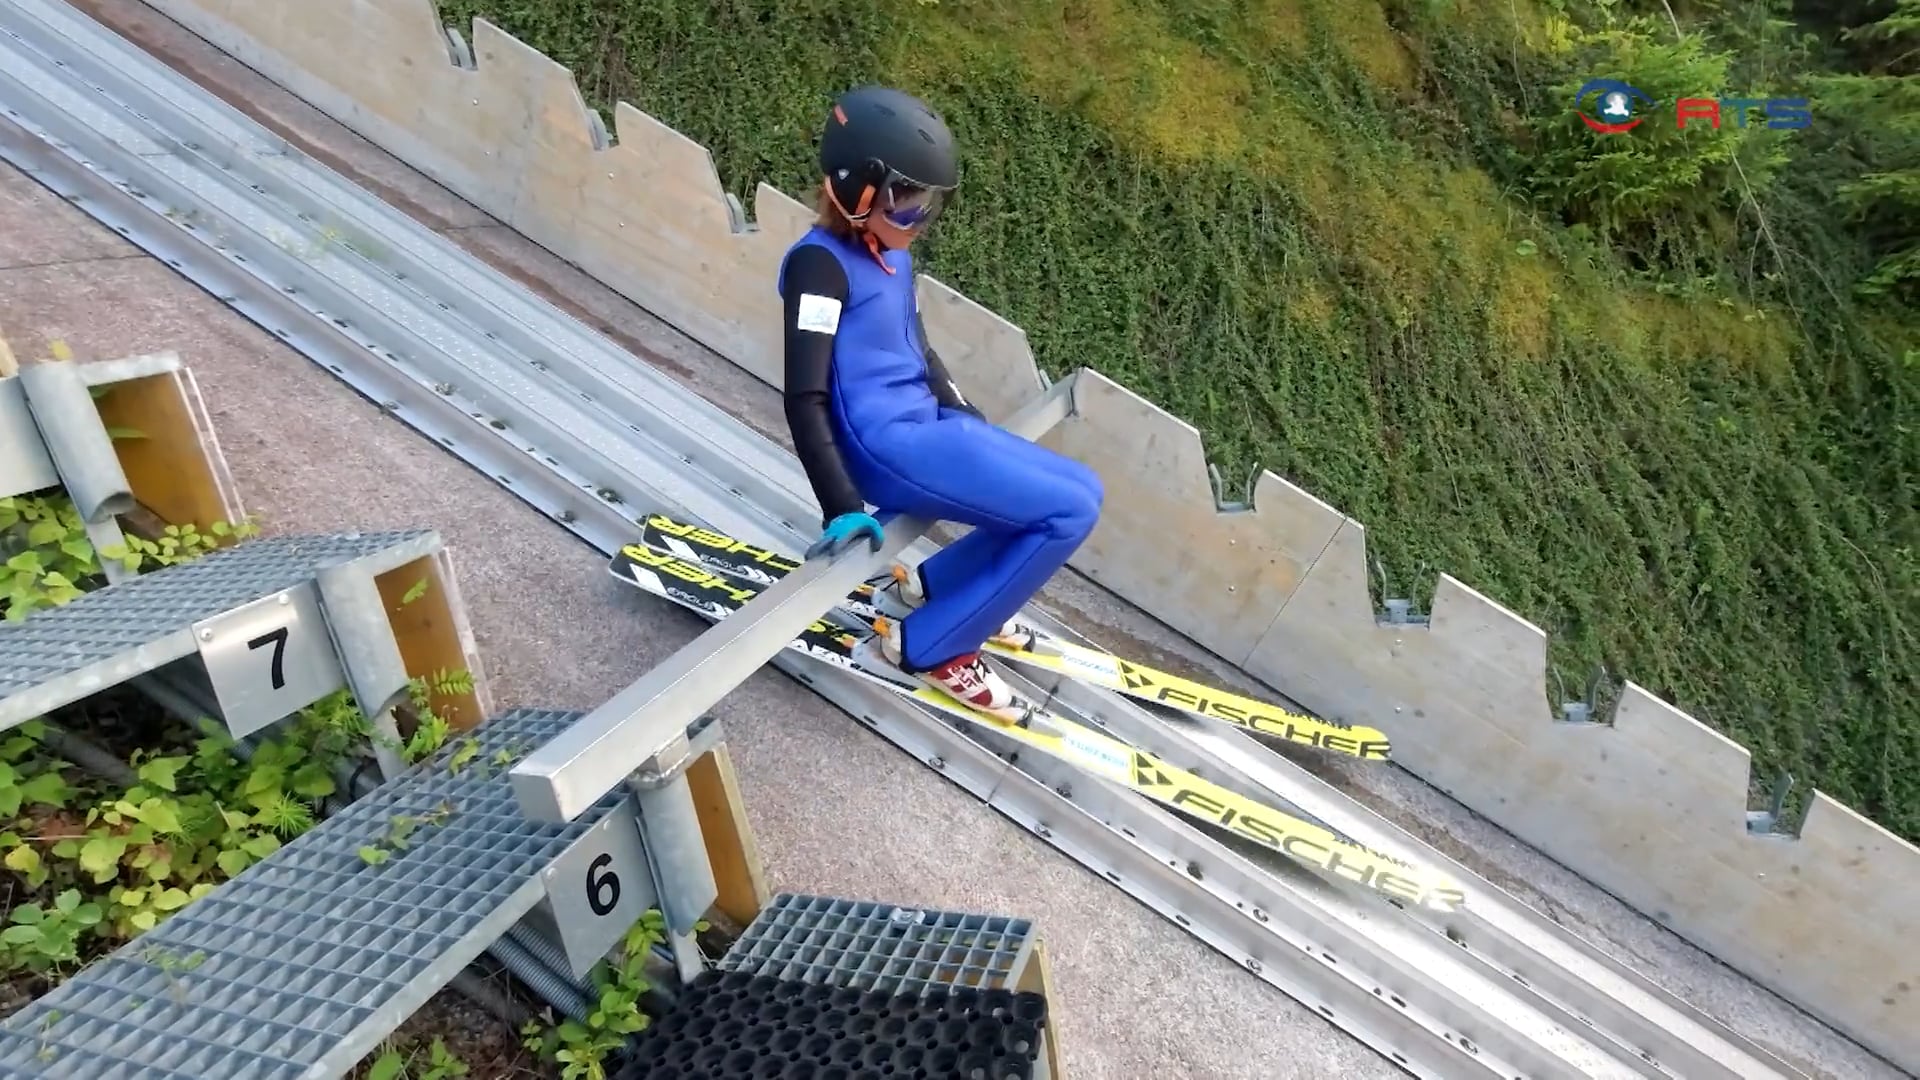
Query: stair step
(299, 966)
(108, 636)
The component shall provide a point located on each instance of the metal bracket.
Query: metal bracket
(356, 620)
(673, 759)
(598, 888)
(1764, 822)
(24, 463)
(76, 440)
(269, 658)
(682, 873)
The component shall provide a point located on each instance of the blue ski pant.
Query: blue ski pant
(1030, 509)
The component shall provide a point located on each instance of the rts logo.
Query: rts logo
(1618, 111)
(1616, 105)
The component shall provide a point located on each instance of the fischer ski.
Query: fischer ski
(699, 588)
(1038, 648)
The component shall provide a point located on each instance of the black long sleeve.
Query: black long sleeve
(814, 290)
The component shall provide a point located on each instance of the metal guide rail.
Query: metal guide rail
(589, 436)
(1584, 988)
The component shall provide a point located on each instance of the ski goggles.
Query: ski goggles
(906, 204)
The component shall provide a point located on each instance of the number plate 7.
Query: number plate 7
(269, 659)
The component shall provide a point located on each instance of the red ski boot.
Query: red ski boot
(967, 679)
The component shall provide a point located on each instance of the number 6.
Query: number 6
(603, 891)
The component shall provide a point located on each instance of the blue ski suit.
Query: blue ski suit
(875, 416)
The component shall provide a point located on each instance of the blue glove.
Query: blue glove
(842, 532)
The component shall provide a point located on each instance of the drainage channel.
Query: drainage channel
(592, 438)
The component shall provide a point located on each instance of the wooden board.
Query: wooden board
(166, 447)
(729, 837)
(1037, 978)
(431, 629)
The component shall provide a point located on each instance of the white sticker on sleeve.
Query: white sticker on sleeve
(820, 314)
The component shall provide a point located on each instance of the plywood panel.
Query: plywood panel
(731, 848)
(166, 446)
(430, 624)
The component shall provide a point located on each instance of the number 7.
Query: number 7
(279, 638)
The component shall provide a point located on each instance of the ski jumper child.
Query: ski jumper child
(876, 418)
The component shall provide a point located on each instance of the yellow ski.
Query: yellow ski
(1040, 649)
(1163, 688)
(699, 588)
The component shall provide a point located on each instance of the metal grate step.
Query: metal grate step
(303, 963)
(873, 946)
(108, 636)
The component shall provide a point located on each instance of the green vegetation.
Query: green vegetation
(1655, 391)
(430, 1062)
(582, 1048)
(95, 857)
(92, 861)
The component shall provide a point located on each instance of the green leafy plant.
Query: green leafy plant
(1881, 110)
(177, 544)
(449, 681)
(47, 560)
(1627, 184)
(428, 736)
(400, 832)
(415, 591)
(113, 860)
(397, 1064)
(45, 1051)
(41, 938)
(172, 966)
(581, 1047)
(45, 556)
(430, 728)
(190, 821)
(468, 749)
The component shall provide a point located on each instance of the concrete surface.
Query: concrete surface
(1652, 808)
(797, 755)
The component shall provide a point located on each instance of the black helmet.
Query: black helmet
(886, 149)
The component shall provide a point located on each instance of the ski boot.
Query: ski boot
(966, 679)
(908, 591)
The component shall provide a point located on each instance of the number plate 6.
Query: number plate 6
(598, 888)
